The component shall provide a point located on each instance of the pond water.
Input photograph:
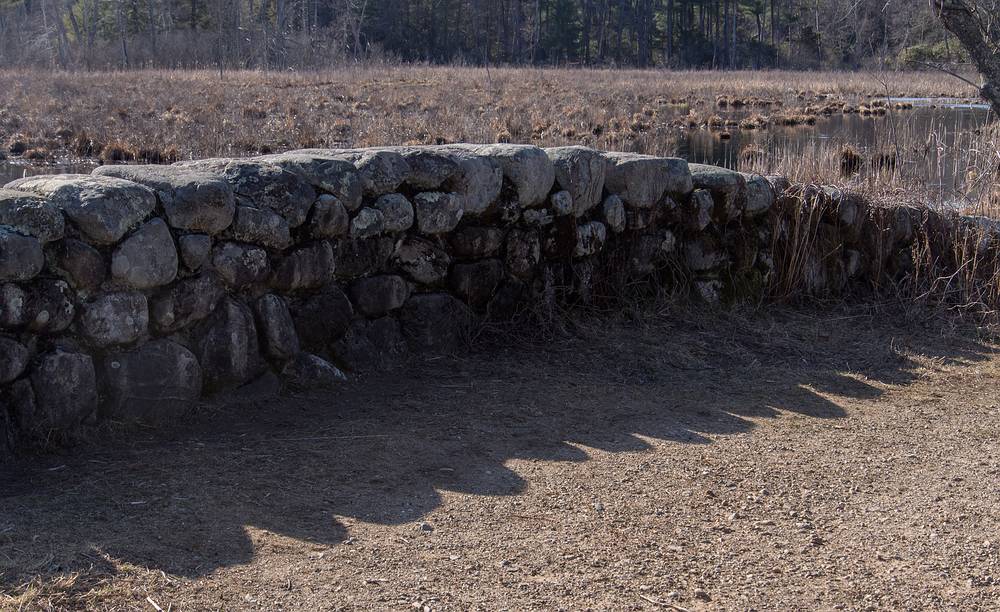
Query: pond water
(936, 141)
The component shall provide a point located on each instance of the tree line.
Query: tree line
(276, 34)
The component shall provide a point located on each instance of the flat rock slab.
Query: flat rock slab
(31, 215)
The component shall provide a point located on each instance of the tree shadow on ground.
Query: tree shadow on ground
(383, 448)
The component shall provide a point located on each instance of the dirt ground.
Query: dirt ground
(789, 460)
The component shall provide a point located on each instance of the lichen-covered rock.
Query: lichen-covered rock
(192, 200)
(538, 217)
(13, 306)
(240, 265)
(369, 222)
(397, 212)
(147, 258)
(31, 215)
(227, 347)
(306, 267)
(354, 258)
(476, 242)
(103, 208)
(382, 171)
(590, 238)
(435, 322)
(114, 318)
(477, 182)
(421, 261)
(64, 393)
(13, 360)
(437, 212)
(308, 372)
(324, 171)
(376, 296)
(613, 213)
(265, 184)
(21, 257)
(726, 186)
(429, 167)
(581, 171)
(277, 330)
(322, 318)
(329, 218)
(522, 253)
(528, 169)
(642, 180)
(260, 226)
(703, 254)
(194, 250)
(154, 383)
(186, 302)
(80, 264)
(758, 195)
(50, 306)
(371, 344)
(476, 282)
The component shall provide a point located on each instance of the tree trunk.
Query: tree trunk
(962, 18)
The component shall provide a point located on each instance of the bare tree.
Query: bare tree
(976, 25)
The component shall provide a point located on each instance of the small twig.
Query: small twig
(665, 604)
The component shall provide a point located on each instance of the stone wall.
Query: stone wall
(130, 293)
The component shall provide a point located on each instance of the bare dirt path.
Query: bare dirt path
(789, 461)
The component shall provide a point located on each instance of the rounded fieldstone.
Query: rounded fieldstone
(31, 215)
(194, 250)
(354, 258)
(527, 168)
(476, 282)
(260, 226)
(642, 180)
(80, 264)
(307, 267)
(523, 252)
(154, 383)
(561, 203)
(277, 330)
(377, 295)
(226, 346)
(322, 318)
(613, 213)
(475, 242)
(329, 218)
(50, 306)
(240, 265)
(13, 304)
(65, 391)
(421, 261)
(13, 360)
(367, 223)
(114, 318)
(437, 212)
(186, 302)
(580, 171)
(147, 258)
(397, 212)
(590, 238)
(308, 372)
(21, 257)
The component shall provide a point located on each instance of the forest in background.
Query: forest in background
(301, 34)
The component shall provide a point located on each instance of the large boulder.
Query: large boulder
(277, 330)
(382, 171)
(581, 171)
(147, 258)
(103, 208)
(368, 223)
(371, 344)
(194, 250)
(590, 238)
(240, 265)
(227, 347)
(642, 180)
(260, 226)
(522, 253)
(322, 318)
(80, 264)
(31, 215)
(13, 359)
(613, 213)
(528, 168)
(265, 184)
(13, 306)
(429, 167)
(63, 392)
(759, 195)
(114, 318)
(435, 322)
(21, 257)
(476, 242)
(421, 261)
(377, 295)
(155, 383)
(477, 182)
(192, 200)
(323, 171)
(307, 267)
(186, 302)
